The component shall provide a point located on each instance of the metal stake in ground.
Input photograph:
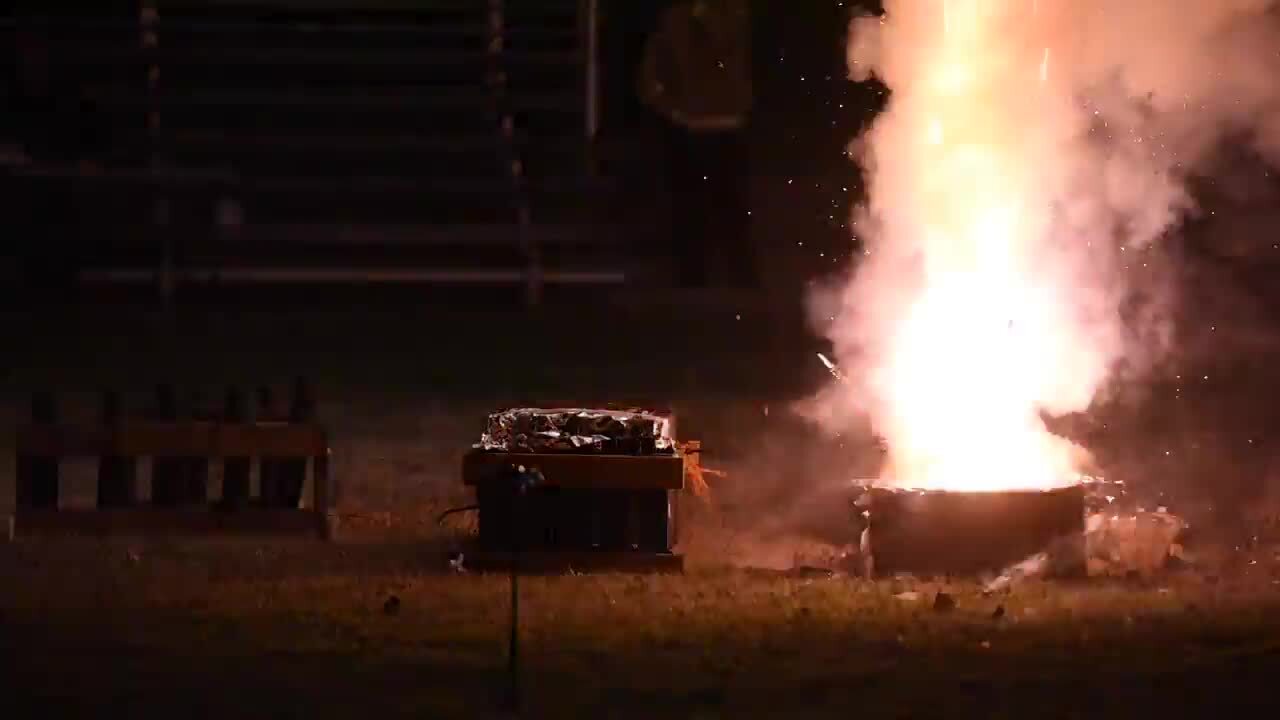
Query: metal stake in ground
(523, 480)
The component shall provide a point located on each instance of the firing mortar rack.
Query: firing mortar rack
(607, 507)
(183, 447)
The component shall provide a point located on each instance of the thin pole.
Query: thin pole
(592, 29)
(513, 645)
(524, 480)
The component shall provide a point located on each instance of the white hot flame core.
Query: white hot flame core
(996, 215)
(984, 337)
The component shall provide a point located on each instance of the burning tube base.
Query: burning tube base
(968, 533)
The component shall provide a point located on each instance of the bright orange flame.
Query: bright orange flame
(982, 341)
(1029, 152)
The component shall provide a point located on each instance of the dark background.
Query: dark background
(406, 375)
(388, 360)
(798, 187)
(409, 347)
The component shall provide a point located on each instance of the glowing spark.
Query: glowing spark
(831, 367)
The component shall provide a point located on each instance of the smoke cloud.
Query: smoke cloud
(1031, 156)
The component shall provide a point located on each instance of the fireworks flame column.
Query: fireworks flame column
(1030, 152)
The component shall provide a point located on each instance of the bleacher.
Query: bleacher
(439, 142)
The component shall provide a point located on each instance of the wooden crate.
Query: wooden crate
(184, 449)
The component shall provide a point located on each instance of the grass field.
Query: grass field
(288, 631)
(296, 629)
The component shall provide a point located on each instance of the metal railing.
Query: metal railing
(158, 171)
(590, 16)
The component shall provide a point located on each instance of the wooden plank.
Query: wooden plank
(580, 562)
(348, 275)
(341, 57)
(150, 521)
(382, 236)
(406, 98)
(177, 26)
(620, 472)
(176, 7)
(36, 474)
(266, 139)
(174, 438)
(117, 475)
(321, 493)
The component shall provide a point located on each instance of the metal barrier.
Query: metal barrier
(327, 123)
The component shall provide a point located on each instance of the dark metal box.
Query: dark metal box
(958, 533)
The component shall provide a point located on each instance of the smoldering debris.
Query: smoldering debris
(1121, 539)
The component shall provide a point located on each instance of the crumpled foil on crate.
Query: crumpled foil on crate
(577, 430)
